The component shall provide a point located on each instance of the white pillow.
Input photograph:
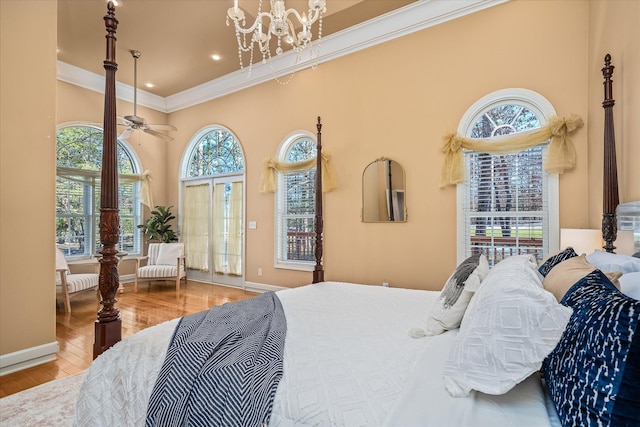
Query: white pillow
(448, 310)
(169, 253)
(630, 284)
(606, 261)
(510, 326)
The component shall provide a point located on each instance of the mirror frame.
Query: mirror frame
(396, 206)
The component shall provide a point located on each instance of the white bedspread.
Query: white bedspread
(425, 401)
(347, 354)
(348, 361)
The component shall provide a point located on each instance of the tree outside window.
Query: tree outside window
(79, 154)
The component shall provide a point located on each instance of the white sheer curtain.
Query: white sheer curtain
(195, 226)
(235, 229)
(219, 241)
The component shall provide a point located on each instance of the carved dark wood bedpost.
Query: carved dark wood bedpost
(392, 216)
(610, 184)
(108, 326)
(318, 272)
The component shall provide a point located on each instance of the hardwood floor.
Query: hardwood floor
(151, 305)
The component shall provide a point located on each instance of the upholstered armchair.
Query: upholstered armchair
(164, 261)
(67, 283)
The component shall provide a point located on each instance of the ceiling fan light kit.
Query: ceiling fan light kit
(135, 122)
(279, 24)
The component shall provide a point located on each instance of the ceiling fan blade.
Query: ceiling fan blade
(125, 122)
(163, 127)
(126, 134)
(157, 134)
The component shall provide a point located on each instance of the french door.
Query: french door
(213, 228)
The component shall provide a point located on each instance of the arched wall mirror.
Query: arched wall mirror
(383, 192)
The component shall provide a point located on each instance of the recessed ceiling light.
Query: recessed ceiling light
(149, 84)
(216, 57)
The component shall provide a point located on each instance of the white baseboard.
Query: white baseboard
(27, 358)
(248, 286)
(261, 287)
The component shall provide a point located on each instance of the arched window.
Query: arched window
(79, 162)
(508, 205)
(212, 206)
(216, 152)
(296, 195)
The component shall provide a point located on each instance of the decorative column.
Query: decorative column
(108, 326)
(318, 271)
(610, 184)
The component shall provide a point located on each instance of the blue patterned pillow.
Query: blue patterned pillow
(593, 374)
(556, 259)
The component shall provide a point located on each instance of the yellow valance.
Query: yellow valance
(269, 183)
(561, 154)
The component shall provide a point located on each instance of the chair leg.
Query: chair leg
(65, 287)
(67, 301)
(135, 283)
(184, 265)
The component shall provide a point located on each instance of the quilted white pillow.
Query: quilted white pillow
(169, 253)
(448, 310)
(510, 326)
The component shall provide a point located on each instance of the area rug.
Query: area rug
(50, 404)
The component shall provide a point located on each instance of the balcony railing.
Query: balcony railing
(498, 248)
(301, 245)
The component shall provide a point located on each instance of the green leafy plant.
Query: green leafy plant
(158, 227)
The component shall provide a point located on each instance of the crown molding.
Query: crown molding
(409, 19)
(96, 82)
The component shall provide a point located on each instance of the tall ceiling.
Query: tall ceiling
(176, 38)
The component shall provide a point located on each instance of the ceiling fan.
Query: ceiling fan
(135, 122)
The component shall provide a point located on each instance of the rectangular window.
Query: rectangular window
(504, 208)
(78, 216)
(296, 243)
(74, 219)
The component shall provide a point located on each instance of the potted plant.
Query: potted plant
(158, 227)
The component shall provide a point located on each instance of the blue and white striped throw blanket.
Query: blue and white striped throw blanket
(222, 366)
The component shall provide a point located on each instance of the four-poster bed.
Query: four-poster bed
(345, 354)
(108, 327)
(610, 173)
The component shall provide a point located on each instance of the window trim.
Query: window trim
(137, 165)
(543, 108)
(281, 155)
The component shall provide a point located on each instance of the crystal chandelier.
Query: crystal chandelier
(279, 23)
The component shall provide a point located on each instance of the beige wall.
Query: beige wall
(27, 173)
(394, 100)
(614, 29)
(397, 100)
